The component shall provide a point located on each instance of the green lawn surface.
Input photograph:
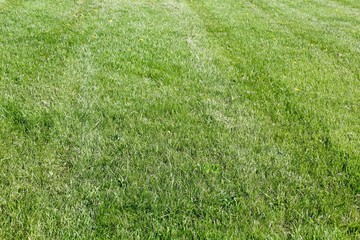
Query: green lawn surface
(180, 119)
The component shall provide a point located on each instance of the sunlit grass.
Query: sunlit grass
(179, 119)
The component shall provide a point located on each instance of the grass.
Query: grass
(179, 119)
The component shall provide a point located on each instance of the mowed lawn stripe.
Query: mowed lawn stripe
(301, 116)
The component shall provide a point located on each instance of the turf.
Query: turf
(179, 119)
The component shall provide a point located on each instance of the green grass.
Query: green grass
(179, 119)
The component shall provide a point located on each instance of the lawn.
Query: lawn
(180, 119)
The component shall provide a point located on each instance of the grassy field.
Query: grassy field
(180, 119)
